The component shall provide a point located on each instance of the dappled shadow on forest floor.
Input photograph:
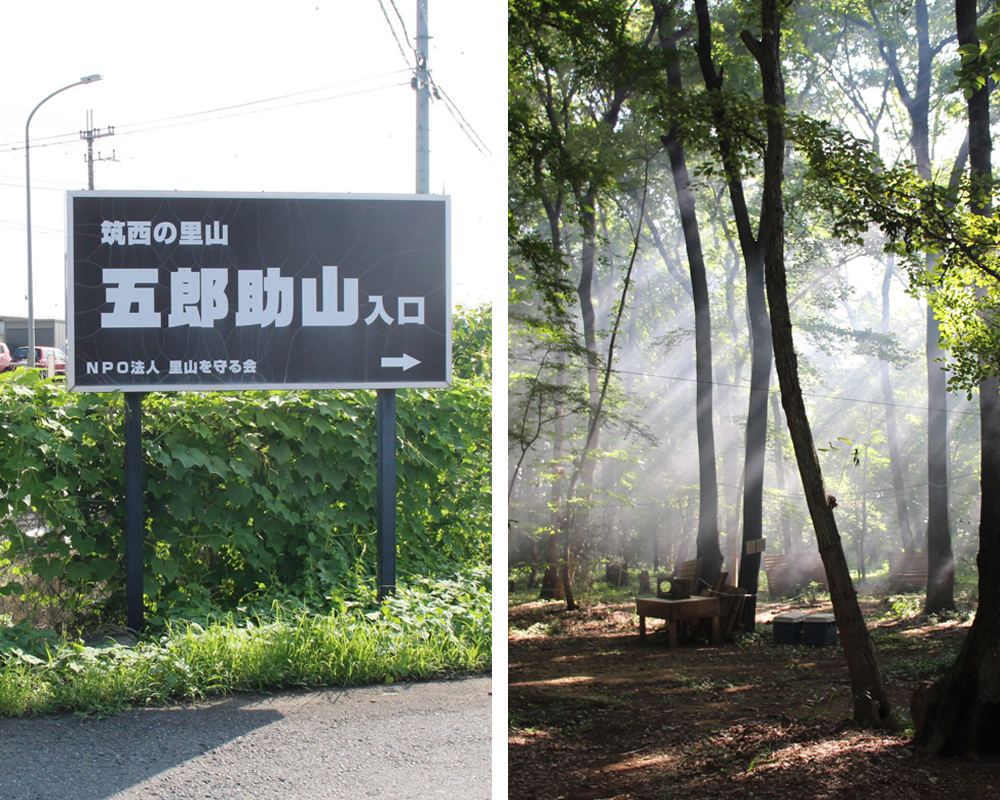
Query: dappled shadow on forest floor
(594, 715)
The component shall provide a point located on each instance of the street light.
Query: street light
(27, 184)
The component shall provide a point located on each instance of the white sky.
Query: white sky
(338, 116)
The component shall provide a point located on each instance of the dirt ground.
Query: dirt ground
(595, 715)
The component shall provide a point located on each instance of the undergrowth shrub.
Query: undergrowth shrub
(248, 494)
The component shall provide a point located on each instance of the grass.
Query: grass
(429, 629)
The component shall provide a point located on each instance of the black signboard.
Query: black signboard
(191, 291)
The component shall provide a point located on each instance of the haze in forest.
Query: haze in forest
(649, 489)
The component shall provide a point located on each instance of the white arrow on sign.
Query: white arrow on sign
(405, 362)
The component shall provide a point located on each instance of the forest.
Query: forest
(752, 293)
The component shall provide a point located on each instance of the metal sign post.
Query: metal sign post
(134, 517)
(386, 491)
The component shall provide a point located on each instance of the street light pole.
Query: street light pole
(27, 185)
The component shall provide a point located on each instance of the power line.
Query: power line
(395, 35)
(57, 186)
(36, 228)
(463, 123)
(139, 127)
(257, 111)
(402, 22)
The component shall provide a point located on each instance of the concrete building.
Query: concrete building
(48, 332)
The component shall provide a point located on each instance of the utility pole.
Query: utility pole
(422, 84)
(90, 134)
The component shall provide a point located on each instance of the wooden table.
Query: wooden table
(673, 611)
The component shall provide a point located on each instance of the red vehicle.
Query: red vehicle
(4, 357)
(20, 358)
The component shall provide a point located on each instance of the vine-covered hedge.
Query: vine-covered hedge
(247, 493)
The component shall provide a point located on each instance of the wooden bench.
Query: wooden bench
(675, 611)
(907, 572)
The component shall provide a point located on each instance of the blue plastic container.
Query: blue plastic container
(820, 630)
(788, 627)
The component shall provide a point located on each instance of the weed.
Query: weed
(702, 683)
(905, 606)
(516, 721)
(576, 727)
(27, 638)
(920, 667)
(764, 757)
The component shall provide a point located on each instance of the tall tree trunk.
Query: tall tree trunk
(870, 703)
(891, 431)
(779, 479)
(584, 186)
(727, 383)
(941, 564)
(756, 437)
(573, 519)
(760, 330)
(940, 558)
(582, 479)
(552, 585)
(940, 561)
(709, 550)
(863, 533)
(960, 713)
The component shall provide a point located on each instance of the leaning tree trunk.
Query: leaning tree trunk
(870, 702)
(960, 713)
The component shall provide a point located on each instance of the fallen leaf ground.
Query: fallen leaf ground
(594, 715)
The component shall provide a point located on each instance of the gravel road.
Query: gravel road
(411, 740)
